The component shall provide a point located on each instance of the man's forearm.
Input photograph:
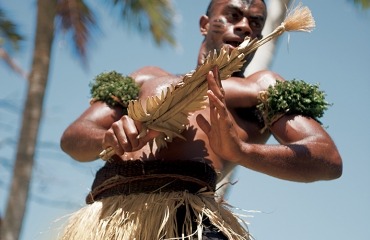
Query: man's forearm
(294, 162)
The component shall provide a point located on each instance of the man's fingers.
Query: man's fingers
(126, 133)
(216, 74)
(215, 102)
(203, 124)
(214, 82)
(150, 135)
(113, 141)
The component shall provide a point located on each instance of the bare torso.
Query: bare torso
(196, 146)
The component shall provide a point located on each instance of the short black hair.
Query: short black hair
(210, 5)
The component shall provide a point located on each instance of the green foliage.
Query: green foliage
(148, 16)
(292, 97)
(76, 20)
(364, 4)
(8, 31)
(113, 88)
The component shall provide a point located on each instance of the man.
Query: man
(223, 135)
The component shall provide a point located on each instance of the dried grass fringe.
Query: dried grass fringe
(151, 216)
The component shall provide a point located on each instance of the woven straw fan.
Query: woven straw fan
(169, 112)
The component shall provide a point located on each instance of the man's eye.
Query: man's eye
(234, 17)
(255, 24)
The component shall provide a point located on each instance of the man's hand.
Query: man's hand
(123, 136)
(220, 130)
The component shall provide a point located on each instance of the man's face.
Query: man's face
(230, 21)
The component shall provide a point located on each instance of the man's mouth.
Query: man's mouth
(234, 44)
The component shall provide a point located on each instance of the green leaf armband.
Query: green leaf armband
(291, 97)
(114, 89)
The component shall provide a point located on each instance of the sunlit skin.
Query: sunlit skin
(225, 134)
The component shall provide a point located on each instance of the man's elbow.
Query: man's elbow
(337, 172)
(335, 167)
(68, 145)
(329, 169)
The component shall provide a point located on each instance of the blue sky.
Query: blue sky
(336, 55)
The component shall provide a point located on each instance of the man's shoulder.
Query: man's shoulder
(148, 72)
(263, 74)
(264, 78)
(261, 80)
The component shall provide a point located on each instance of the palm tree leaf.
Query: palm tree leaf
(9, 40)
(76, 17)
(12, 64)
(9, 32)
(364, 4)
(154, 16)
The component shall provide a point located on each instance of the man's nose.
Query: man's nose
(242, 28)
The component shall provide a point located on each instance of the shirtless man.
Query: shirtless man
(226, 133)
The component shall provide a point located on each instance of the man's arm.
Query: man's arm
(83, 139)
(243, 92)
(306, 152)
(100, 127)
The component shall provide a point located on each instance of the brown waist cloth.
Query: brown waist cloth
(119, 177)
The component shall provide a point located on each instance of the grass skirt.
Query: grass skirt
(147, 216)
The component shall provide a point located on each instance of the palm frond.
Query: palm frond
(154, 16)
(364, 4)
(9, 32)
(76, 17)
(12, 64)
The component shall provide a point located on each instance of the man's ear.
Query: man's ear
(204, 24)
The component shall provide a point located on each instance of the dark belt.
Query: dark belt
(118, 177)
